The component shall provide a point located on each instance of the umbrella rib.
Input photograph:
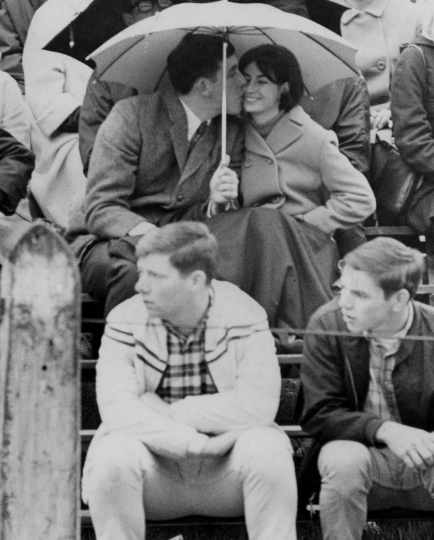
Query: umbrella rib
(331, 52)
(110, 64)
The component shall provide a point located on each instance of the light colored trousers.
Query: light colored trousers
(355, 478)
(124, 481)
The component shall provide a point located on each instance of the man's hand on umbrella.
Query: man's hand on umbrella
(223, 188)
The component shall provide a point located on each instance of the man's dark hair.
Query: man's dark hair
(196, 56)
(279, 65)
(189, 244)
(391, 264)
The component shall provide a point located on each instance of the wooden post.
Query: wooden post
(39, 384)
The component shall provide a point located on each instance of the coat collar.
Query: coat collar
(227, 320)
(376, 10)
(420, 40)
(289, 128)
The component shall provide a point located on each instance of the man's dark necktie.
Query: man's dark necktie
(197, 135)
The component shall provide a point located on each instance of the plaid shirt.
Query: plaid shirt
(381, 399)
(187, 372)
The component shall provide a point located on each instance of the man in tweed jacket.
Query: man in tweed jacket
(149, 168)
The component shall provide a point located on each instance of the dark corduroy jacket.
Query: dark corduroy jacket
(335, 380)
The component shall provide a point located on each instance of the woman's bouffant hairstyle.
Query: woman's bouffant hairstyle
(189, 244)
(391, 264)
(279, 65)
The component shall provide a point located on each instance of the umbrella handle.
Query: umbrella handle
(224, 102)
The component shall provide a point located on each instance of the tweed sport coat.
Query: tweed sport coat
(140, 168)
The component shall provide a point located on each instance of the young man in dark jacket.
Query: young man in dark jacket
(369, 394)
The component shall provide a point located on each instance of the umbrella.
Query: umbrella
(93, 23)
(137, 56)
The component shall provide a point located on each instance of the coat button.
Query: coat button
(247, 163)
(270, 161)
(381, 65)
(179, 198)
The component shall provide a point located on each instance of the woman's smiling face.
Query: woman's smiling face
(261, 96)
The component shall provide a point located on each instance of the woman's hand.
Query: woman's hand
(223, 188)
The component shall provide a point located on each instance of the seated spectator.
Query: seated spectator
(102, 95)
(369, 395)
(378, 28)
(152, 163)
(13, 113)
(55, 87)
(305, 188)
(16, 166)
(342, 106)
(15, 17)
(413, 116)
(188, 386)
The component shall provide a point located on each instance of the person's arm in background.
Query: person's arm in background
(13, 113)
(98, 101)
(11, 47)
(412, 130)
(16, 165)
(352, 126)
(15, 17)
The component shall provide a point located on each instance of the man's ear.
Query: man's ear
(203, 86)
(198, 279)
(402, 299)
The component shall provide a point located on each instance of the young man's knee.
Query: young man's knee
(265, 450)
(345, 463)
(113, 457)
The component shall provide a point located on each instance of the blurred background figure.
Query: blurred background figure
(15, 17)
(413, 114)
(13, 114)
(55, 85)
(378, 28)
(102, 95)
(16, 166)
(55, 88)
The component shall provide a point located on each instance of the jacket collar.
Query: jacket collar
(407, 345)
(223, 325)
(375, 9)
(285, 132)
(423, 41)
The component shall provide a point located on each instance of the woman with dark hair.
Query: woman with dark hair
(292, 165)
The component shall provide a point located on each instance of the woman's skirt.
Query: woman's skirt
(286, 265)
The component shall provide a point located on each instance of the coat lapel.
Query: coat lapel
(179, 129)
(288, 130)
(200, 151)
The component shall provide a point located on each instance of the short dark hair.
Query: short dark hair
(279, 65)
(391, 264)
(189, 244)
(196, 56)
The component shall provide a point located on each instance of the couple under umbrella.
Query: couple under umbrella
(296, 186)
